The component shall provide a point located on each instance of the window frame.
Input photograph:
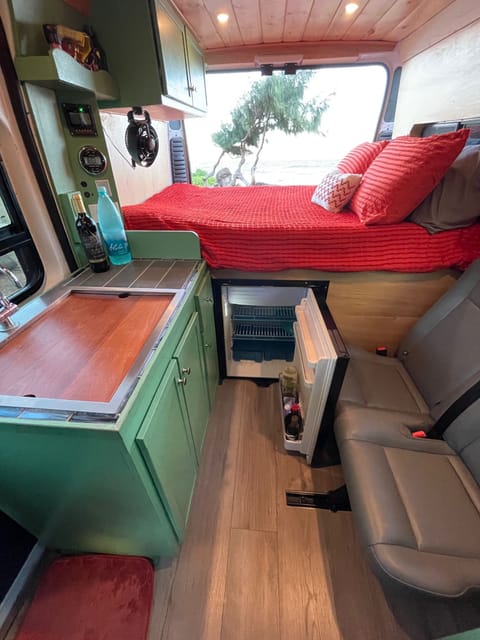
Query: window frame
(15, 237)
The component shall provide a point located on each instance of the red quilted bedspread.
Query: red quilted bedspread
(265, 228)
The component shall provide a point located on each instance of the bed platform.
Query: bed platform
(272, 228)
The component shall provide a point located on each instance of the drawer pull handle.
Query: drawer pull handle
(209, 300)
(182, 381)
(187, 370)
(207, 346)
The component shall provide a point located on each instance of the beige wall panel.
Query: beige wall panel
(135, 185)
(441, 83)
(377, 308)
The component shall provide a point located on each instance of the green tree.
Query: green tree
(200, 178)
(273, 103)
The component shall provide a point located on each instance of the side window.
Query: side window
(17, 251)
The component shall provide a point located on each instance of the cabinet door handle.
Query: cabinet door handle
(209, 300)
(187, 370)
(182, 381)
(207, 345)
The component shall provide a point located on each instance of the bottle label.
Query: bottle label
(93, 248)
(92, 245)
(116, 246)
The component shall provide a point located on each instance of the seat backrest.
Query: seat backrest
(463, 435)
(442, 350)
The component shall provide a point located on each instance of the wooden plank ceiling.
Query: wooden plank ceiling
(274, 22)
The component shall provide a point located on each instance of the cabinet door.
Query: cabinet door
(166, 446)
(204, 303)
(191, 370)
(196, 66)
(174, 56)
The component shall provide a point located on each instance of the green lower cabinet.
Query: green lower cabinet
(192, 378)
(167, 448)
(123, 487)
(172, 433)
(204, 304)
(79, 489)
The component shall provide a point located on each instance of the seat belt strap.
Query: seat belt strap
(454, 410)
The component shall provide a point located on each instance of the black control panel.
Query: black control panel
(79, 119)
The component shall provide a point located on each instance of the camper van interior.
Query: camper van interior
(240, 388)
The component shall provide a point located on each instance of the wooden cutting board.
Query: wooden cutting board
(82, 348)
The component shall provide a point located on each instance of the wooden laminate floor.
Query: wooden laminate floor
(252, 568)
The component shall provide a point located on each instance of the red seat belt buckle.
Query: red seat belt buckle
(419, 434)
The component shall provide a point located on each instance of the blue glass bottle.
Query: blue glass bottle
(111, 226)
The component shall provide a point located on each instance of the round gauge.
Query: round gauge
(92, 160)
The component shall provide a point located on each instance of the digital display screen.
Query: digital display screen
(79, 119)
(93, 161)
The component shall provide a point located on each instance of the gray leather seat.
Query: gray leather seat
(436, 362)
(416, 502)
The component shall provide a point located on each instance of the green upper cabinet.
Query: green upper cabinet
(196, 67)
(182, 61)
(173, 55)
(153, 58)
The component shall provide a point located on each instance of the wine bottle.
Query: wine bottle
(293, 423)
(88, 234)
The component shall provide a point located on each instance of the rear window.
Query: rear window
(353, 97)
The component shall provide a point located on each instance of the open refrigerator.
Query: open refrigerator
(262, 327)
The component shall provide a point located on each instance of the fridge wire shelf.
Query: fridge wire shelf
(262, 331)
(247, 312)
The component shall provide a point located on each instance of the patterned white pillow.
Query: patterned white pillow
(335, 190)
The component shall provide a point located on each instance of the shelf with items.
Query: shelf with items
(286, 403)
(58, 70)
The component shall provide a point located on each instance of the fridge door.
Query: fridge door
(318, 357)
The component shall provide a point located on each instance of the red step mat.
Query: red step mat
(91, 597)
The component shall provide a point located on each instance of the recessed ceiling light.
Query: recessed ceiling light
(223, 18)
(350, 8)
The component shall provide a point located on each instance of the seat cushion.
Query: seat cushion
(382, 426)
(418, 512)
(380, 383)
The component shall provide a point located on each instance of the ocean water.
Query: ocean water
(280, 172)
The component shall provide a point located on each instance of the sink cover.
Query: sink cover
(84, 346)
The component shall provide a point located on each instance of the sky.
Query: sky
(351, 119)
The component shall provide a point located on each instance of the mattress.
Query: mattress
(272, 228)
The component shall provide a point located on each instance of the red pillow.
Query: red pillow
(360, 157)
(403, 175)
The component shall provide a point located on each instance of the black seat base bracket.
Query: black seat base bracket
(336, 500)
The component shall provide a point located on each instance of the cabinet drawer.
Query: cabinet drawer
(166, 446)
